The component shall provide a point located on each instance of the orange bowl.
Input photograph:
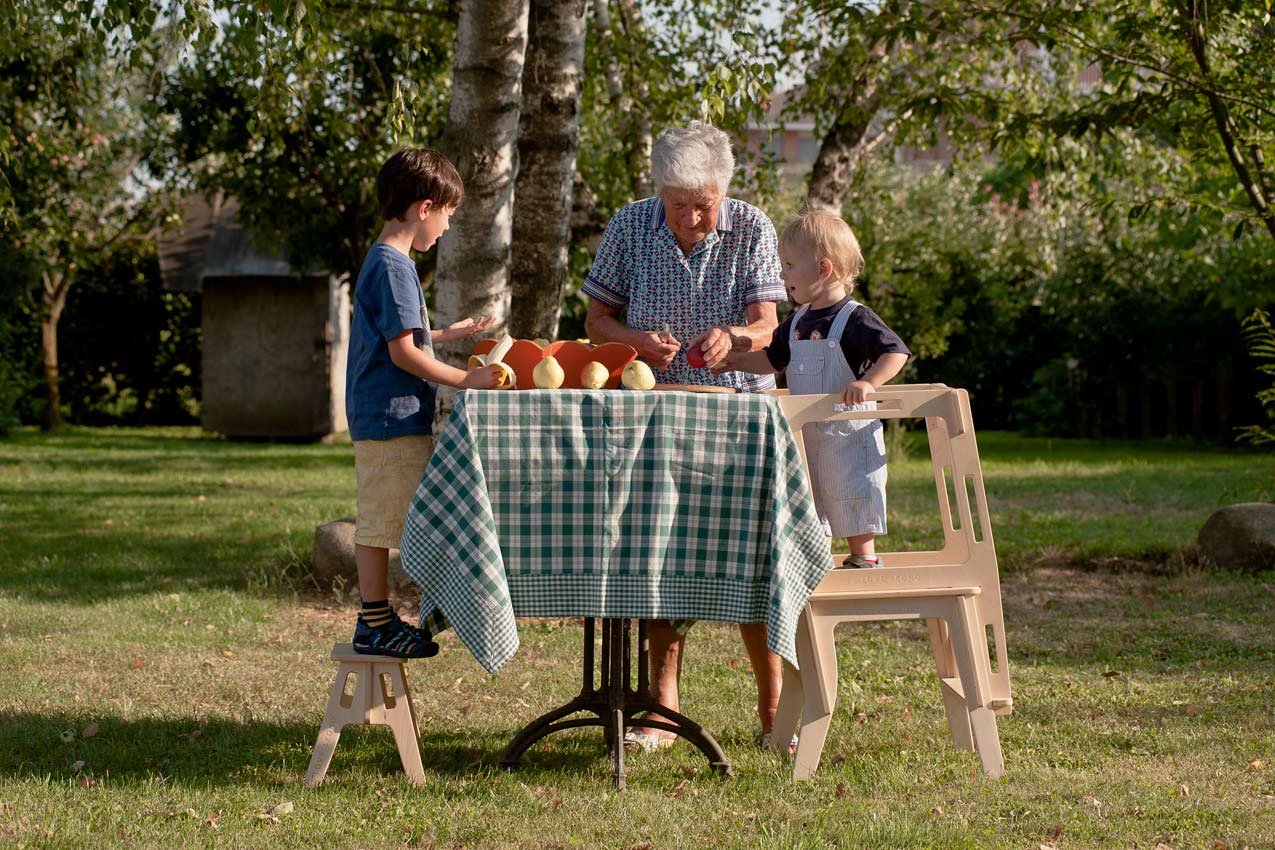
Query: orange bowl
(572, 356)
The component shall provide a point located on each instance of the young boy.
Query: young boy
(834, 344)
(390, 382)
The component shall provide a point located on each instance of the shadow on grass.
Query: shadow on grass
(226, 752)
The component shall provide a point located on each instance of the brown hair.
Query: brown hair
(417, 174)
(827, 236)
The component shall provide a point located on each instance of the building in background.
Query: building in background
(274, 341)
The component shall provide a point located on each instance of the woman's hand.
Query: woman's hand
(857, 392)
(659, 349)
(715, 344)
(464, 328)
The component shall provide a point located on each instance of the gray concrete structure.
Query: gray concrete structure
(274, 341)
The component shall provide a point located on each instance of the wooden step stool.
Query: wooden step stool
(381, 697)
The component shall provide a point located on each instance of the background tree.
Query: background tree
(548, 138)
(76, 130)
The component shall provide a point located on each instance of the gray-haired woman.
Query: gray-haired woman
(696, 274)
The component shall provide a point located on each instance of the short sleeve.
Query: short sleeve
(779, 352)
(608, 277)
(400, 301)
(763, 282)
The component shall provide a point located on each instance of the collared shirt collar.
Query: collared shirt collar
(724, 221)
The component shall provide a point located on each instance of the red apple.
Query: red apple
(695, 356)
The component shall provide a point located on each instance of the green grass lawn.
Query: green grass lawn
(164, 659)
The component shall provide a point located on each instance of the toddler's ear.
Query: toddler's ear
(825, 266)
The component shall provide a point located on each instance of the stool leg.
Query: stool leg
(958, 718)
(402, 720)
(971, 658)
(819, 700)
(335, 718)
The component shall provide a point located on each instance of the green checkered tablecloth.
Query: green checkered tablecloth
(583, 503)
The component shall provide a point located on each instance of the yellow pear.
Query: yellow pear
(637, 376)
(594, 375)
(548, 374)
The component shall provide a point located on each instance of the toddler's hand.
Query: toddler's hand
(857, 392)
(482, 378)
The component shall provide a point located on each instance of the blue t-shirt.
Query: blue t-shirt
(381, 400)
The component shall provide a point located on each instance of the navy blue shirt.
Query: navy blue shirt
(864, 340)
(381, 400)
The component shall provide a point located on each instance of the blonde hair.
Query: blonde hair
(826, 235)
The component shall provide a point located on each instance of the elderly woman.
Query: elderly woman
(694, 273)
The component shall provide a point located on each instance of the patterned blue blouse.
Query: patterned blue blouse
(639, 265)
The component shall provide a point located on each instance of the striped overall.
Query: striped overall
(847, 458)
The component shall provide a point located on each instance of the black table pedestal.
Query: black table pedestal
(615, 704)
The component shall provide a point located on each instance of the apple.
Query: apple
(637, 376)
(695, 356)
(548, 374)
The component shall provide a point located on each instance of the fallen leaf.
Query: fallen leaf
(524, 685)
(884, 700)
(1184, 790)
(734, 663)
(138, 664)
(1256, 764)
(1054, 834)
(77, 766)
(1111, 673)
(89, 731)
(841, 790)
(1219, 844)
(680, 788)
(1163, 846)
(1192, 708)
(86, 781)
(226, 653)
(937, 811)
(641, 845)
(283, 808)
(687, 770)
(264, 816)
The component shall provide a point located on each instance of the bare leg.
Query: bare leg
(374, 565)
(666, 666)
(767, 670)
(863, 544)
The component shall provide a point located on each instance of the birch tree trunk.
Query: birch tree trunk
(548, 140)
(472, 277)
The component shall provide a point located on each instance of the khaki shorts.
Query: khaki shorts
(389, 471)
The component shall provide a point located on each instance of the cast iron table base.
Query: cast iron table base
(615, 703)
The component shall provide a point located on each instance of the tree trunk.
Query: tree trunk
(55, 287)
(843, 146)
(549, 137)
(472, 276)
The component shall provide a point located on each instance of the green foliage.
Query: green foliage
(1056, 313)
(300, 146)
(1261, 344)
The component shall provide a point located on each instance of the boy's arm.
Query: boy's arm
(755, 362)
(406, 356)
(886, 367)
(462, 329)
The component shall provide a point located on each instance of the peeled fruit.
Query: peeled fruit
(475, 361)
(695, 356)
(548, 375)
(507, 377)
(637, 376)
(594, 375)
